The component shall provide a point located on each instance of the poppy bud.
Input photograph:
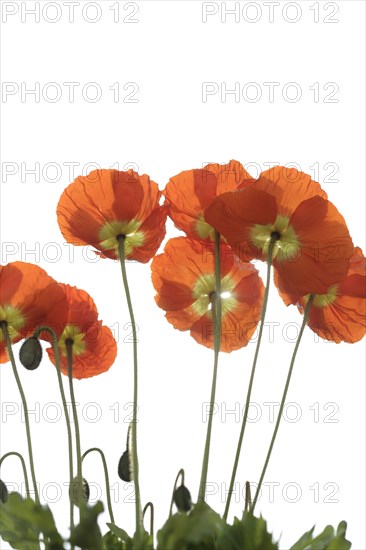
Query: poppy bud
(3, 492)
(74, 492)
(30, 354)
(182, 499)
(124, 467)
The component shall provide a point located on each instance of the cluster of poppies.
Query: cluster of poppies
(283, 216)
(31, 299)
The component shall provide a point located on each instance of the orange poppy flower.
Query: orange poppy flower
(96, 209)
(312, 247)
(339, 314)
(189, 193)
(29, 298)
(184, 278)
(94, 348)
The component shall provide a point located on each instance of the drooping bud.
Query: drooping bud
(124, 467)
(74, 492)
(3, 492)
(30, 353)
(182, 499)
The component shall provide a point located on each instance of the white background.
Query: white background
(168, 53)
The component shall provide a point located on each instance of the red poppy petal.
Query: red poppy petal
(150, 199)
(344, 320)
(128, 194)
(354, 286)
(173, 296)
(4, 357)
(154, 231)
(357, 262)
(40, 299)
(325, 249)
(235, 333)
(286, 290)
(191, 191)
(79, 219)
(229, 176)
(90, 202)
(97, 358)
(10, 280)
(235, 214)
(183, 319)
(289, 186)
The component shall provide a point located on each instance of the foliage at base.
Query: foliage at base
(25, 525)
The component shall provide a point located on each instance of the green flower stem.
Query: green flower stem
(304, 323)
(69, 344)
(250, 387)
(151, 506)
(248, 497)
(106, 477)
(4, 327)
(138, 509)
(66, 412)
(216, 318)
(14, 453)
(180, 474)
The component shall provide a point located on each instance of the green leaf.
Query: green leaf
(250, 532)
(112, 542)
(119, 536)
(303, 541)
(120, 533)
(198, 530)
(327, 540)
(87, 534)
(23, 520)
(146, 543)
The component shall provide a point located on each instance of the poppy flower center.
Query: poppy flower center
(14, 320)
(325, 300)
(203, 229)
(133, 238)
(286, 243)
(73, 334)
(204, 291)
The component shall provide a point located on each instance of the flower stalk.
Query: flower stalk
(106, 477)
(216, 318)
(283, 401)
(22, 461)
(135, 464)
(273, 240)
(69, 344)
(4, 327)
(64, 404)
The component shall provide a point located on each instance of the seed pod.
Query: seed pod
(30, 354)
(182, 499)
(124, 467)
(3, 492)
(74, 492)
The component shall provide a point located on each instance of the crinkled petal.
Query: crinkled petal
(289, 186)
(324, 253)
(99, 356)
(189, 193)
(235, 214)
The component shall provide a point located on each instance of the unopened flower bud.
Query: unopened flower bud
(182, 499)
(124, 467)
(30, 354)
(3, 492)
(74, 492)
